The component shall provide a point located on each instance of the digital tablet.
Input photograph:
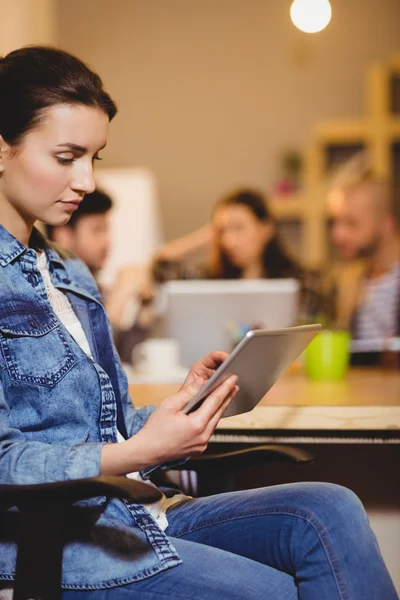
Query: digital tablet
(258, 360)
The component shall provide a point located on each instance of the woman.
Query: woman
(64, 403)
(242, 243)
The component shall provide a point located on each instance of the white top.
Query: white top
(377, 315)
(64, 311)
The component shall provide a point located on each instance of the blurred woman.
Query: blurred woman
(242, 243)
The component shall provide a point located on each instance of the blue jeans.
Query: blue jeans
(307, 541)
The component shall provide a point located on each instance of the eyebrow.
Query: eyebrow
(77, 147)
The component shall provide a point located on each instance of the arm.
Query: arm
(136, 282)
(23, 461)
(133, 284)
(180, 248)
(169, 434)
(163, 434)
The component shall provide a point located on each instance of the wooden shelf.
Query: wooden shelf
(341, 131)
(376, 132)
(393, 129)
(288, 207)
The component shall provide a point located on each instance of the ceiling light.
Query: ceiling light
(311, 16)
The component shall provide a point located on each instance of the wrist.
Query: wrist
(142, 453)
(123, 458)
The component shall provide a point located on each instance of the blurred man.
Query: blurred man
(365, 234)
(87, 233)
(127, 302)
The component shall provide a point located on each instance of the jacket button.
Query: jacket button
(34, 324)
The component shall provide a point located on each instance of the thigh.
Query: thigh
(206, 573)
(276, 525)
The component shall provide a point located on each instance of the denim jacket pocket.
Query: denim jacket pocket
(35, 348)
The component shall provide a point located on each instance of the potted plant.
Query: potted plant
(291, 170)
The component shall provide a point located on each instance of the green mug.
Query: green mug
(327, 356)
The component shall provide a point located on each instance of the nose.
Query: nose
(230, 244)
(83, 181)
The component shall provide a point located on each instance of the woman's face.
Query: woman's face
(240, 234)
(46, 176)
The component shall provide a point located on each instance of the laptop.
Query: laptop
(206, 315)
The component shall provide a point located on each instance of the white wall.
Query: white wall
(210, 91)
(25, 22)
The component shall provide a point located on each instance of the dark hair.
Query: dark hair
(276, 262)
(35, 78)
(96, 203)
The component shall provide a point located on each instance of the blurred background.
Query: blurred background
(214, 94)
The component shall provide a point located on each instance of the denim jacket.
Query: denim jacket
(58, 408)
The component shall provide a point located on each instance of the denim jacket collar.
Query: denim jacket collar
(11, 249)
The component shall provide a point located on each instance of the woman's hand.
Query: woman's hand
(170, 434)
(205, 367)
(180, 248)
(133, 284)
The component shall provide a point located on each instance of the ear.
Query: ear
(389, 225)
(269, 231)
(64, 237)
(4, 150)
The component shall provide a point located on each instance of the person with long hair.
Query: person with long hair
(246, 243)
(65, 412)
(241, 242)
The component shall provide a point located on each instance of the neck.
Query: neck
(11, 220)
(253, 271)
(386, 256)
(95, 273)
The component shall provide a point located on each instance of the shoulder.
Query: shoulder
(343, 274)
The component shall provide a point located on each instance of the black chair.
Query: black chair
(216, 471)
(45, 514)
(46, 511)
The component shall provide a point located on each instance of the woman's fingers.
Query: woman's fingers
(212, 424)
(188, 391)
(214, 359)
(206, 366)
(214, 401)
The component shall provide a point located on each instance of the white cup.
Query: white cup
(156, 356)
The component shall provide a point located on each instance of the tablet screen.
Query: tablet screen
(258, 360)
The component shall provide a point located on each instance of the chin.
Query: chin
(97, 267)
(239, 264)
(62, 220)
(349, 255)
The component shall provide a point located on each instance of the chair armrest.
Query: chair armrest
(68, 492)
(46, 512)
(247, 457)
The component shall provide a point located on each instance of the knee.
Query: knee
(331, 503)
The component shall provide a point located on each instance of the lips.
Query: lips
(76, 201)
(71, 204)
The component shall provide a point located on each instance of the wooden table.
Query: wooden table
(367, 402)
